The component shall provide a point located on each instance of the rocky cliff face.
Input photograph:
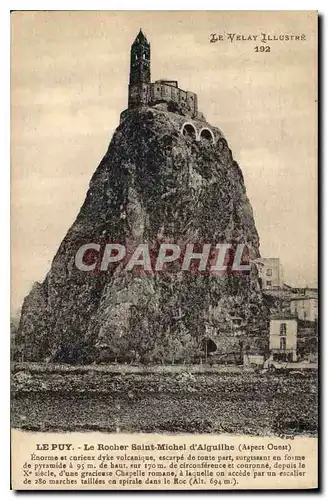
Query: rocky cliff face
(153, 184)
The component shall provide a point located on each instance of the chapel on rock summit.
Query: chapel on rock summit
(143, 91)
(166, 95)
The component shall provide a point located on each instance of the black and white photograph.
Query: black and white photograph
(164, 249)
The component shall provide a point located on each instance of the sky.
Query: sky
(69, 83)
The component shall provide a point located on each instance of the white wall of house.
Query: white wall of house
(305, 308)
(288, 332)
(270, 271)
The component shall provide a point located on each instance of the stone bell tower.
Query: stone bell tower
(139, 86)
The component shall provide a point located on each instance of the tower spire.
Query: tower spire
(139, 70)
(141, 36)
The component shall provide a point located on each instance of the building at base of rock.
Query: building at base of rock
(283, 337)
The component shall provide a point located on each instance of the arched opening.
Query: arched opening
(208, 346)
(189, 130)
(206, 135)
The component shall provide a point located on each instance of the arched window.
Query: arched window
(189, 130)
(206, 135)
(283, 330)
(283, 343)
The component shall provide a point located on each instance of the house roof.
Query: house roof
(284, 315)
(304, 297)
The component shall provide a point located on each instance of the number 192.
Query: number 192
(262, 48)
